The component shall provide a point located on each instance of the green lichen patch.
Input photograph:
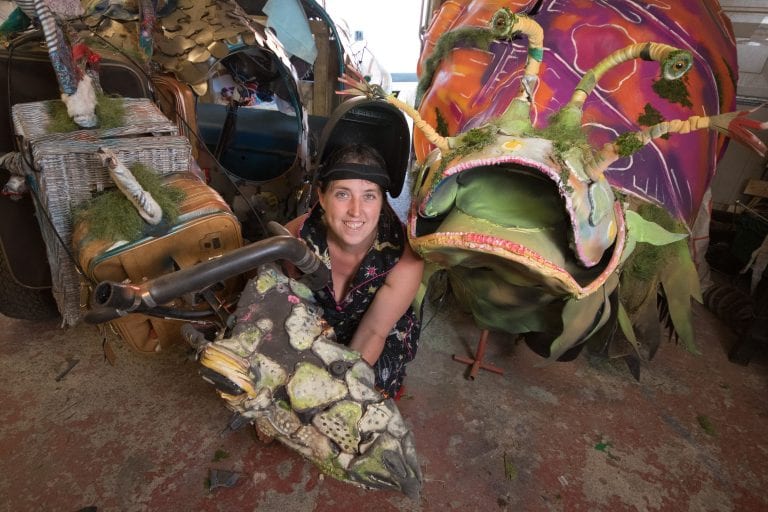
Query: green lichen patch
(220, 455)
(270, 374)
(312, 387)
(268, 279)
(329, 352)
(331, 467)
(301, 290)
(302, 326)
(371, 468)
(706, 425)
(510, 470)
(245, 342)
(340, 424)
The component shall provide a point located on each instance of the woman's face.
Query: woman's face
(352, 209)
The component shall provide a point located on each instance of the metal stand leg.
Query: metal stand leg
(477, 363)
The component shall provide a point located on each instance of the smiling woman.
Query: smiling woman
(374, 273)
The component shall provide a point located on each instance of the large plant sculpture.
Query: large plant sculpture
(537, 234)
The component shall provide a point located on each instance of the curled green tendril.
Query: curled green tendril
(676, 64)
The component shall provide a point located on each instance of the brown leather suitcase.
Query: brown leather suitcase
(206, 229)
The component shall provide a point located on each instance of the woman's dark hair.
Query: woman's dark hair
(356, 154)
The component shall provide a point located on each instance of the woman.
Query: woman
(374, 273)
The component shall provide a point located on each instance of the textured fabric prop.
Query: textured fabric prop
(16, 21)
(282, 369)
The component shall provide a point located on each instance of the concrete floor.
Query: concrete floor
(143, 435)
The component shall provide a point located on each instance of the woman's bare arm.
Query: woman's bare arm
(390, 303)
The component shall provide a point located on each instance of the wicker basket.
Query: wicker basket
(30, 122)
(68, 172)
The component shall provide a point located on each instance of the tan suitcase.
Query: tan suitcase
(206, 229)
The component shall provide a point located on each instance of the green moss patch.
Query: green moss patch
(442, 124)
(564, 133)
(472, 141)
(650, 117)
(674, 91)
(111, 216)
(110, 112)
(628, 143)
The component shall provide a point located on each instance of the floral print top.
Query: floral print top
(345, 316)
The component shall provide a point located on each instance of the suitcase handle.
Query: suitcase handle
(112, 300)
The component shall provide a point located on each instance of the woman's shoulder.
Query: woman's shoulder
(410, 258)
(294, 226)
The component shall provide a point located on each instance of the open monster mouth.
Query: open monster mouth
(527, 223)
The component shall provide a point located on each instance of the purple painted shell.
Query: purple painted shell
(472, 86)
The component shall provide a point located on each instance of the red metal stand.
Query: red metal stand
(477, 363)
